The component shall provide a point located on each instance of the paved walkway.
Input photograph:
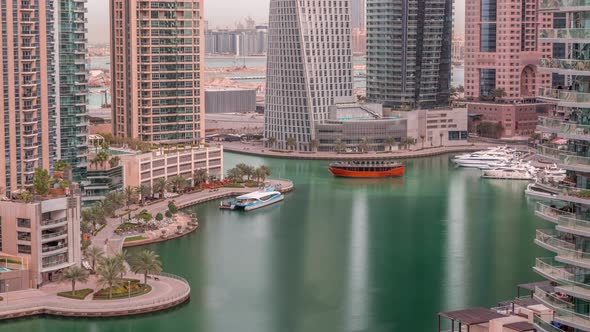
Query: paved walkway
(112, 243)
(168, 291)
(260, 150)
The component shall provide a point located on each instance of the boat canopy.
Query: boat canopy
(258, 194)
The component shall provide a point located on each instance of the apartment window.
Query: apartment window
(25, 223)
(457, 135)
(24, 249)
(24, 236)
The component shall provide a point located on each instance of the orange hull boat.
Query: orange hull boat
(352, 173)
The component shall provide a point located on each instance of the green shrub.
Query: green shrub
(135, 238)
(79, 294)
(233, 185)
(172, 208)
(168, 214)
(123, 292)
(159, 217)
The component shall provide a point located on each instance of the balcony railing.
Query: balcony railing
(549, 267)
(48, 222)
(53, 248)
(52, 235)
(551, 152)
(565, 64)
(557, 4)
(550, 239)
(564, 311)
(564, 127)
(574, 223)
(543, 326)
(550, 213)
(565, 96)
(565, 34)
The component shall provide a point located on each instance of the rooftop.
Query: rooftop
(472, 316)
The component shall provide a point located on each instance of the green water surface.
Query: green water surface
(344, 255)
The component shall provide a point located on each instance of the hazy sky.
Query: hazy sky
(219, 13)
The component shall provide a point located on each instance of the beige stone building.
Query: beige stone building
(146, 168)
(38, 240)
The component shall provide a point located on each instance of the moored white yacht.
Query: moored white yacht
(509, 174)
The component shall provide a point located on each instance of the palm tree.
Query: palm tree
(314, 144)
(272, 141)
(144, 190)
(101, 157)
(114, 161)
(246, 170)
(146, 262)
(390, 141)
(74, 274)
(411, 141)
(130, 196)
(109, 271)
(85, 227)
(261, 173)
(339, 145)
(93, 255)
(422, 137)
(199, 177)
(160, 185)
(178, 183)
(235, 174)
(364, 144)
(291, 142)
(123, 257)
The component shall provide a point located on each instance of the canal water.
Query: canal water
(344, 255)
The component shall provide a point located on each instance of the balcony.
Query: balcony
(551, 153)
(550, 214)
(566, 251)
(565, 66)
(565, 35)
(53, 236)
(543, 326)
(565, 98)
(564, 312)
(565, 5)
(54, 249)
(564, 128)
(52, 223)
(573, 225)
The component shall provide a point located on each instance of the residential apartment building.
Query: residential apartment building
(502, 48)
(73, 85)
(309, 65)
(243, 42)
(43, 235)
(568, 264)
(409, 52)
(29, 99)
(157, 61)
(517, 119)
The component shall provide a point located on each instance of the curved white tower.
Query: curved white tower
(309, 65)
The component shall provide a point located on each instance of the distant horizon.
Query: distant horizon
(218, 16)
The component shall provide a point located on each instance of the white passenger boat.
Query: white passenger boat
(480, 160)
(256, 200)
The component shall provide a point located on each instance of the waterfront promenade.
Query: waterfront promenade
(168, 291)
(259, 150)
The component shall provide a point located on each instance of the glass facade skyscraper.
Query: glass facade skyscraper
(409, 52)
(73, 86)
(309, 66)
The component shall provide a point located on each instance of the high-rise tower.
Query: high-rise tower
(157, 59)
(309, 65)
(29, 98)
(409, 52)
(73, 85)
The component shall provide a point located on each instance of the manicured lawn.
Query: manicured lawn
(79, 294)
(135, 238)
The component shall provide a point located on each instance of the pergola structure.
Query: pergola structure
(468, 317)
(520, 326)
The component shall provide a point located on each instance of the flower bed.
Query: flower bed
(121, 292)
(79, 294)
